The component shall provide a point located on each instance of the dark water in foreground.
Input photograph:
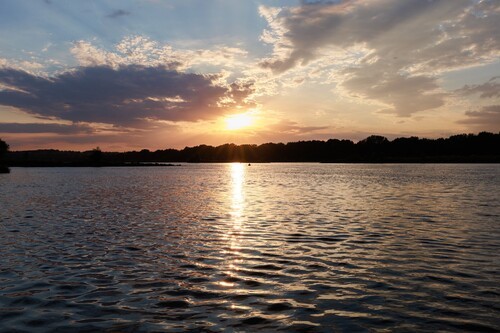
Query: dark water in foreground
(270, 247)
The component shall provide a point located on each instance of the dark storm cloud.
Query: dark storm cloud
(130, 96)
(118, 13)
(45, 128)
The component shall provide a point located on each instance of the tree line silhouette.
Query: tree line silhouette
(463, 148)
(4, 148)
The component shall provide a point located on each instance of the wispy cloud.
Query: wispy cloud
(45, 128)
(292, 127)
(398, 48)
(141, 50)
(118, 13)
(487, 118)
(488, 89)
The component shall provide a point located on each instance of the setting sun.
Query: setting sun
(238, 121)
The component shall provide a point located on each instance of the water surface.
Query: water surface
(237, 248)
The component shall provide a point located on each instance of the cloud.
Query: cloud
(28, 66)
(141, 50)
(487, 118)
(135, 50)
(403, 94)
(400, 42)
(488, 89)
(45, 128)
(128, 96)
(292, 127)
(118, 13)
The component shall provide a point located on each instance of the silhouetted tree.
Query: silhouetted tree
(96, 156)
(4, 148)
(373, 148)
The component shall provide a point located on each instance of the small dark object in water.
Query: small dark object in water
(249, 164)
(4, 169)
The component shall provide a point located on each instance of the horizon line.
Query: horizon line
(256, 144)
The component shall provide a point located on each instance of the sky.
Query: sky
(127, 75)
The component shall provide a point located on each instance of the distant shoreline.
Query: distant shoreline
(87, 165)
(463, 148)
(42, 165)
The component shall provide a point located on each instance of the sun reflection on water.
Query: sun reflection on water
(237, 208)
(237, 205)
(237, 193)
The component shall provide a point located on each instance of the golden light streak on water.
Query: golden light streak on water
(237, 172)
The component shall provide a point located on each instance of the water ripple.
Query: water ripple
(274, 247)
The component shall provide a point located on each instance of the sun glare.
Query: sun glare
(238, 121)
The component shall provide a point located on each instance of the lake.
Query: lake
(260, 248)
